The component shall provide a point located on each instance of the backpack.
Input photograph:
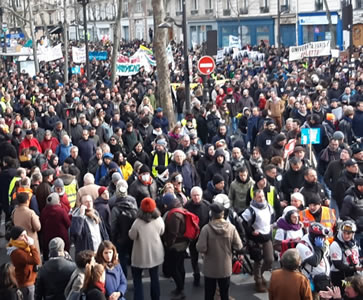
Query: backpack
(192, 229)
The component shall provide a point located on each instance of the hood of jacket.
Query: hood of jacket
(219, 226)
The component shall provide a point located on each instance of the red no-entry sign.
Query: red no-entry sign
(206, 65)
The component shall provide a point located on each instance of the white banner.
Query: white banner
(234, 42)
(312, 49)
(220, 56)
(51, 53)
(79, 55)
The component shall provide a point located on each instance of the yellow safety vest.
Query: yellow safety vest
(270, 195)
(156, 163)
(11, 187)
(71, 191)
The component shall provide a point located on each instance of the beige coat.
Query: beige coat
(27, 218)
(216, 241)
(90, 189)
(276, 108)
(148, 250)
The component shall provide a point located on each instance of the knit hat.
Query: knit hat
(47, 173)
(116, 177)
(288, 209)
(159, 109)
(217, 178)
(270, 122)
(122, 186)
(330, 117)
(69, 160)
(356, 149)
(29, 132)
(259, 176)
(58, 183)
(161, 142)
(55, 246)
(216, 207)
(144, 169)
(280, 137)
(148, 205)
(101, 190)
(338, 135)
(53, 199)
(15, 232)
(107, 155)
(295, 160)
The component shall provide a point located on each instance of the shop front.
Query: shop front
(252, 31)
(314, 27)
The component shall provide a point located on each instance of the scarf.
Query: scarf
(149, 182)
(257, 163)
(259, 205)
(101, 286)
(19, 244)
(283, 224)
(91, 214)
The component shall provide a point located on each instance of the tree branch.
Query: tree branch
(16, 14)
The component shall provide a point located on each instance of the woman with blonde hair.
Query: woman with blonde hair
(145, 102)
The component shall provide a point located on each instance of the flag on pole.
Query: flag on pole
(289, 148)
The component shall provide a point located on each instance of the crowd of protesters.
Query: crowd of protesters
(101, 168)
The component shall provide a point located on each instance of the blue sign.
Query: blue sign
(15, 36)
(76, 70)
(310, 136)
(98, 55)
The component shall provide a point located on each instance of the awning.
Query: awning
(56, 30)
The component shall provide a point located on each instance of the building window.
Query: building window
(138, 6)
(319, 5)
(179, 5)
(359, 4)
(194, 4)
(125, 6)
(209, 4)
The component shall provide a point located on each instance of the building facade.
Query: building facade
(253, 21)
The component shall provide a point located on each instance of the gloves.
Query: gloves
(319, 242)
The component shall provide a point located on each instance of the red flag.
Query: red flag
(289, 148)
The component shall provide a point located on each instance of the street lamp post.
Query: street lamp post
(186, 59)
(84, 4)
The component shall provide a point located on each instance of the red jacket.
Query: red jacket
(49, 144)
(29, 143)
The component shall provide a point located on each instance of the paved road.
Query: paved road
(242, 286)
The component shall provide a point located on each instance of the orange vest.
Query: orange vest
(328, 219)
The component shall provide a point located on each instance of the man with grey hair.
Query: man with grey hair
(288, 282)
(54, 275)
(89, 188)
(200, 208)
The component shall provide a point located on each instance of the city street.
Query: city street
(242, 286)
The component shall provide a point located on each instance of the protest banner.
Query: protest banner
(220, 56)
(312, 49)
(98, 55)
(51, 53)
(79, 55)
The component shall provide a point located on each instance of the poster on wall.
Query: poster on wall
(312, 49)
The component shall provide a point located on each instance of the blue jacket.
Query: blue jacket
(103, 169)
(81, 233)
(63, 152)
(115, 281)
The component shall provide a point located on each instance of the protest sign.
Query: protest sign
(98, 55)
(79, 55)
(312, 49)
(310, 136)
(50, 53)
(234, 42)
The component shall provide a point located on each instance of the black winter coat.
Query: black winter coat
(342, 185)
(292, 180)
(140, 191)
(352, 208)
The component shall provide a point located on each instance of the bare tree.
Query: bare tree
(330, 24)
(162, 66)
(65, 40)
(116, 42)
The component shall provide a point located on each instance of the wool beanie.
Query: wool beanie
(101, 190)
(55, 246)
(148, 205)
(217, 178)
(144, 169)
(53, 199)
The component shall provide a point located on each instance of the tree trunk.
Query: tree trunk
(162, 65)
(34, 42)
(65, 40)
(116, 42)
(331, 29)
